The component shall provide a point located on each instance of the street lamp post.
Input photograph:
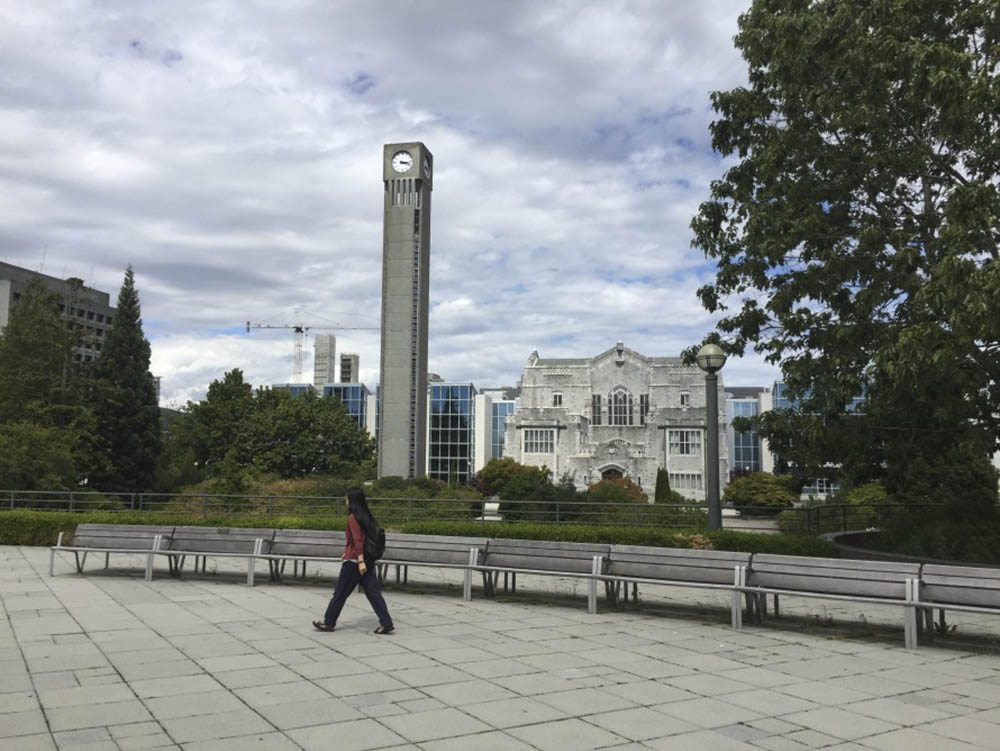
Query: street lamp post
(711, 358)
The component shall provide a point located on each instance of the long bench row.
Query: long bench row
(748, 578)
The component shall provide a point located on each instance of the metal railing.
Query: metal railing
(812, 519)
(387, 510)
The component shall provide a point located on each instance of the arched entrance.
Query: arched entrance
(612, 473)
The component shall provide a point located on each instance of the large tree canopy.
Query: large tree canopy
(857, 232)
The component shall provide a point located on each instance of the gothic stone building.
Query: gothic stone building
(619, 414)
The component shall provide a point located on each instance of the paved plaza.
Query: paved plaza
(110, 661)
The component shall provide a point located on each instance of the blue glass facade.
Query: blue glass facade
(501, 408)
(746, 457)
(451, 426)
(354, 397)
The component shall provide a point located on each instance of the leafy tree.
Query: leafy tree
(300, 435)
(33, 457)
(46, 426)
(215, 424)
(856, 232)
(128, 415)
(525, 493)
(492, 478)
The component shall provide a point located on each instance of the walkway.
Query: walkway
(109, 661)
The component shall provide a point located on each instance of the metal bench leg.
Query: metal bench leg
(777, 611)
(107, 560)
(52, 553)
(736, 602)
(595, 571)
(80, 563)
(513, 582)
(467, 579)
(910, 614)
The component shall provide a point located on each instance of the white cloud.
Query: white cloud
(232, 153)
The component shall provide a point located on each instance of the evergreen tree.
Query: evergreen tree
(662, 492)
(128, 413)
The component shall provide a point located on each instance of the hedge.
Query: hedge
(43, 528)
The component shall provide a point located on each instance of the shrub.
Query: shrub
(761, 494)
(615, 490)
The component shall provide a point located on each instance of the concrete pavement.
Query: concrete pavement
(109, 661)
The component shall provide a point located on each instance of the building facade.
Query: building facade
(618, 414)
(407, 170)
(354, 396)
(747, 451)
(451, 431)
(350, 366)
(86, 309)
(324, 360)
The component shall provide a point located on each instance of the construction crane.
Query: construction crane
(300, 334)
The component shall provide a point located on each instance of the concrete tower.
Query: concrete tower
(324, 362)
(406, 255)
(349, 368)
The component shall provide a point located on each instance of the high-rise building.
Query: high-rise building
(402, 414)
(349, 367)
(324, 360)
(86, 309)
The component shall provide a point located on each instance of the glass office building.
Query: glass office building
(500, 410)
(354, 397)
(451, 432)
(744, 446)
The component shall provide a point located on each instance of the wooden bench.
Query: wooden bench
(581, 560)
(945, 587)
(111, 538)
(300, 546)
(880, 582)
(203, 543)
(680, 567)
(432, 551)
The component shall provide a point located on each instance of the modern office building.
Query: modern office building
(355, 398)
(747, 451)
(88, 310)
(324, 360)
(451, 431)
(407, 170)
(349, 368)
(617, 414)
(493, 405)
(295, 389)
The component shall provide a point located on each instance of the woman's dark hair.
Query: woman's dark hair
(357, 505)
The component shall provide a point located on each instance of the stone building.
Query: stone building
(617, 414)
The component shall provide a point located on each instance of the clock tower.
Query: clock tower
(407, 174)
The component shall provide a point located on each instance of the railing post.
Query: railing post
(844, 507)
(557, 511)
(204, 507)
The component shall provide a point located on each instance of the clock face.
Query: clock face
(402, 161)
(427, 165)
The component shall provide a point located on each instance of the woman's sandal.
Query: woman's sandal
(320, 626)
(383, 630)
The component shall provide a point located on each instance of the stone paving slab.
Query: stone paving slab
(107, 660)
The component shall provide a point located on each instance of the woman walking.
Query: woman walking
(354, 569)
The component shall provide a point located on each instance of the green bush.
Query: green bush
(747, 542)
(760, 494)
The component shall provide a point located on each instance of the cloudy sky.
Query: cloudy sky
(231, 152)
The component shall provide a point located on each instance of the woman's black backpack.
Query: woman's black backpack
(375, 544)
